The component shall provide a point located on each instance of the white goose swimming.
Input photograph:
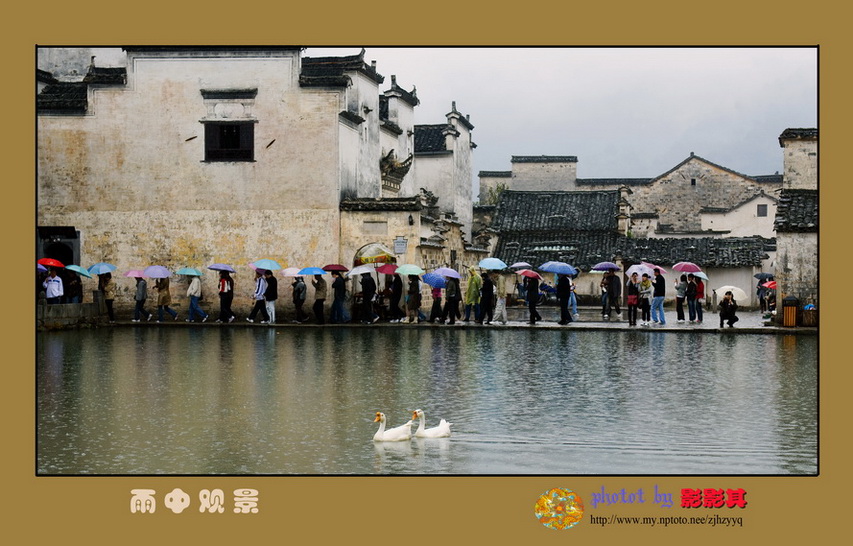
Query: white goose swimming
(396, 434)
(441, 431)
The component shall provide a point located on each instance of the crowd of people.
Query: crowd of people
(484, 299)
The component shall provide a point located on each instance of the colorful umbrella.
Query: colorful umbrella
(372, 253)
(409, 269)
(290, 272)
(40, 267)
(191, 271)
(653, 267)
(606, 266)
(156, 272)
(686, 267)
(447, 272)
(528, 273)
(135, 273)
(78, 269)
(492, 263)
(522, 265)
(334, 267)
(311, 271)
(50, 262)
(700, 275)
(266, 264)
(101, 267)
(387, 269)
(434, 280)
(770, 284)
(221, 267)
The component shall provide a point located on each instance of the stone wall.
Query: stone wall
(797, 267)
(800, 158)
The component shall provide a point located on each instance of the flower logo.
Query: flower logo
(559, 509)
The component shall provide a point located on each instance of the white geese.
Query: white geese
(396, 434)
(441, 431)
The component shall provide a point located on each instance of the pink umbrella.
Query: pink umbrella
(687, 267)
(135, 273)
(653, 267)
(528, 273)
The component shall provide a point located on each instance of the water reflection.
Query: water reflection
(301, 401)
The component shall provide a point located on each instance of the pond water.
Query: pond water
(301, 401)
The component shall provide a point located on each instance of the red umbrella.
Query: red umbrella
(528, 273)
(687, 267)
(771, 285)
(387, 269)
(334, 267)
(50, 262)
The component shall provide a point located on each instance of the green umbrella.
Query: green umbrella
(188, 271)
(77, 269)
(409, 269)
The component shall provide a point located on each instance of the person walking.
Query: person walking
(258, 297)
(164, 298)
(728, 308)
(435, 311)
(107, 286)
(761, 293)
(647, 291)
(604, 296)
(270, 294)
(632, 290)
(320, 289)
(140, 297)
(700, 299)
(413, 302)
(53, 287)
(657, 299)
(226, 297)
(472, 294)
(680, 296)
(500, 308)
(300, 291)
(452, 297)
(533, 298)
(573, 300)
(487, 300)
(338, 314)
(564, 294)
(368, 293)
(614, 294)
(194, 293)
(396, 314)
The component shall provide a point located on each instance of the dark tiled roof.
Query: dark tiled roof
(705, 251)
(63, 97)
(582, 249)
(495, 174)
(410, 97)
(544, 159)
(556, 210)
(775, 179)
(111, 76)
(797, 211)
(329, 71)
(384, 204)
(798, 134)
(430, 138)
(44, 76)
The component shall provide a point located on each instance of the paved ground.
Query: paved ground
(751, 322)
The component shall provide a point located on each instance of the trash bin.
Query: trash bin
(810, 317)
(790, 305)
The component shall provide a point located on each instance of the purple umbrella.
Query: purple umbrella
(156, 272)
(447, 272)
(606, 266)
(40, 267)
(221, 267)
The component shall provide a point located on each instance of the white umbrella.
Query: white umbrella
(737, 293)
(366, 268)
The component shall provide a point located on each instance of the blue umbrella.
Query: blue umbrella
(311, 271)
(447, 272)
(78, 269)
(191, 271)
(492, 263)
(221, 267)
(434, 280)
(266, 264)
(606, 266)
(102, 267)
(560, 268)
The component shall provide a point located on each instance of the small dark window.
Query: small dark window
(692, 181)
(229, 141)
(762, 210)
